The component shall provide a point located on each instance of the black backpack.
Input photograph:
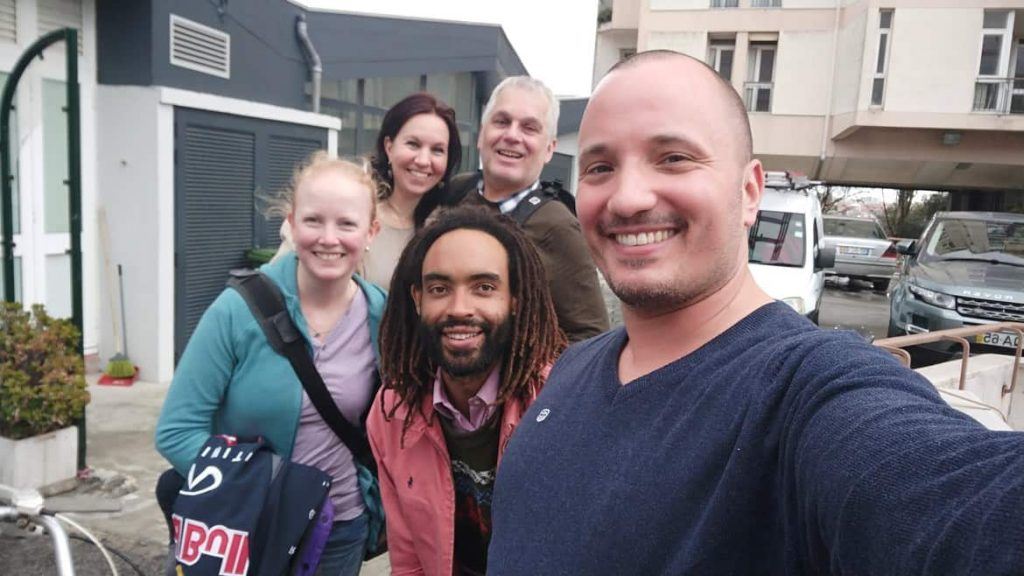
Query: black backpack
(546, 192)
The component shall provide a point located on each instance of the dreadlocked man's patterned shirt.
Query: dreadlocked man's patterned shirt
(474, 457)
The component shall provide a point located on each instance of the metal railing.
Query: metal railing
(758, 96)
(962, 336)
(999, 95)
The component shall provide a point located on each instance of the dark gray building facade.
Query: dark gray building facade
(246, 56)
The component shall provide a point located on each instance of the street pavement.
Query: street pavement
(856, 307)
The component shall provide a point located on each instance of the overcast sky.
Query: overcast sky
(554, 38)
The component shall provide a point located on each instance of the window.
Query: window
(853, 228)
(882, 61)
(459, 92)
(720, 57)
(1017, 90)
(982, 240)
(362, 103)
(993, 91)
(725, 3)
(760, 72)
(777, 238)
(765, 3)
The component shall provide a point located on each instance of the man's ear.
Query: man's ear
(550, 152)
(415, 292)
(753, 188)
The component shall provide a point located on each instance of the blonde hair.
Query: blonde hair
(283, 202)
(359, 171)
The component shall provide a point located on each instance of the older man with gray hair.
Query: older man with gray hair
(517, 138)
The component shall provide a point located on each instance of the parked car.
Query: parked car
(863, 252)
(967, 269)
(786, 253)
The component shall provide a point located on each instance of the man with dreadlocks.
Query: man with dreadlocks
(467, 340)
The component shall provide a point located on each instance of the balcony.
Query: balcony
(999, 95)
(758, 96)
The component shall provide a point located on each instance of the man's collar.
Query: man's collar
(509, 204)
(481, 405)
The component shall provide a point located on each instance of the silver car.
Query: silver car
(967, 270)
(863, 251)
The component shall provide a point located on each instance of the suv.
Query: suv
(967, 269)
(786, 253)
(862, 250)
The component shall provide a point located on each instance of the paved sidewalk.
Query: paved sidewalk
(120, 426)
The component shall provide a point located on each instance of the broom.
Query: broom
(119, 365)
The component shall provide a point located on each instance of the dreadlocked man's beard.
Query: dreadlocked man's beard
(462, 363)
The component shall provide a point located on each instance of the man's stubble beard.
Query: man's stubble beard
(496, 341)
(684, 288)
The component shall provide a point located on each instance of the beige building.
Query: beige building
(923, 94)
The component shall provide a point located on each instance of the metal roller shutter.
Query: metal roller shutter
(222, 163)
(283, 155)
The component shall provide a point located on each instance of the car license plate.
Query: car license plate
(854, 251)
(1001, 339)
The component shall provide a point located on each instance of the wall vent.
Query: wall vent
(200, 48)
(8, 22)
(57, 14)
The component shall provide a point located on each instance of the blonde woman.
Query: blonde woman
(230, 381)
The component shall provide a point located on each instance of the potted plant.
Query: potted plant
(42, 391)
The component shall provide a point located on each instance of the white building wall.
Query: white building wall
(933, 60)
(679, 5)
(850, 64)
(137, 203)
(819, 4)
(608, 51)
(693, 43)
(802, 72)
(793, 4)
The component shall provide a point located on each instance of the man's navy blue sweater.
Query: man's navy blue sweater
(776, 448)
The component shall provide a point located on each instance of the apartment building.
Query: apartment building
(923, 94)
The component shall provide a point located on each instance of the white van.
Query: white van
(787, 254)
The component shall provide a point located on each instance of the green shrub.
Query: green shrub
(42, 382)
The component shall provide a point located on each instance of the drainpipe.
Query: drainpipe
(316, 69)
(831, 87)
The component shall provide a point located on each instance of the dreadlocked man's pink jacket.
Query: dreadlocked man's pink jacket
(416, 484)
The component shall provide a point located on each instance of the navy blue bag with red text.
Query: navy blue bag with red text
(242, 510)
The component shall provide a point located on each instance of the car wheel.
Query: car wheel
(880, 285)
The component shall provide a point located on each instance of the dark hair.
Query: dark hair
(536, 338)
(394, 119)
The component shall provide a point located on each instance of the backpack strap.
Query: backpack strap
(266, 303)
(546, 192)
